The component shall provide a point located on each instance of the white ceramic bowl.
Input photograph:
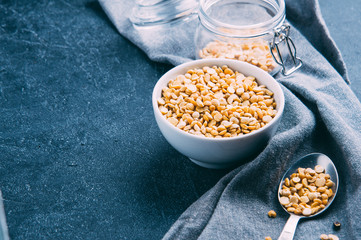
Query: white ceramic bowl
(219, 152)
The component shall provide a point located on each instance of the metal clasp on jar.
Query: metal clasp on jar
(291, 62)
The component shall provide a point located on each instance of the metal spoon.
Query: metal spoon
(308, 161)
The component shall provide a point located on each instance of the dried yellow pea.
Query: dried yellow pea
(217, 98)
(306, 191)
(253, 52)
(272, 214)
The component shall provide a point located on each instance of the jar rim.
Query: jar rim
(243, 31)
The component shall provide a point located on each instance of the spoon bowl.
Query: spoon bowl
(308, 161)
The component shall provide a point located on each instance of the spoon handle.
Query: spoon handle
(290, 228)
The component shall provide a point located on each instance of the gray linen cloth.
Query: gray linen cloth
(322, 114)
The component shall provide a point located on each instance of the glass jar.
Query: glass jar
(157, 12)
(253, 31)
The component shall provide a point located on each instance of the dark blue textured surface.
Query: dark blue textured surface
(343, 19)
(81, 156)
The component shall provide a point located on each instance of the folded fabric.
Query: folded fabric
(322, 114)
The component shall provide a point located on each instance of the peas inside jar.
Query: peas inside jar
(250, 31)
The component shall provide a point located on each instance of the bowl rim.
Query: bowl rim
(219, 62)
